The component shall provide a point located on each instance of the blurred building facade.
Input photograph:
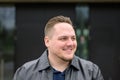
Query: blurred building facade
(97, 25)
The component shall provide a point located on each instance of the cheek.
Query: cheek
(58, 45)
(76, 44)
(54, 44)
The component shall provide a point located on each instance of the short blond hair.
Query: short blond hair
(55, 20)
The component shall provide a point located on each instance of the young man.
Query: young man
(58, 62)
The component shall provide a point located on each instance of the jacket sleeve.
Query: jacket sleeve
(19, 74)
(97, 75)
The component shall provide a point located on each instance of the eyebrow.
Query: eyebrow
(67, 36)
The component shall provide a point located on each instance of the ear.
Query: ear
(46, 41)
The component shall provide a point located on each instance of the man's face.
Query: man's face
(62, 44)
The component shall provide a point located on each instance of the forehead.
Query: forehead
(63, 29)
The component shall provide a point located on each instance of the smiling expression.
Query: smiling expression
(62, 44)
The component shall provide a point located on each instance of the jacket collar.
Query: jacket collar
(75, 63)
(44, 62)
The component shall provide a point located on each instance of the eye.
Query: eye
(63, 38)
(73, 38)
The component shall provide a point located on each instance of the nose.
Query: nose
(70, 42)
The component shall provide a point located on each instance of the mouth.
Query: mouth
(68, 50)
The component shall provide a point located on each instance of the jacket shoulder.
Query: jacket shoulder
(90, 69)
(22, 72)
(30, 63)
(86, 63)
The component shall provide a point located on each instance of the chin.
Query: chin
(68, 59)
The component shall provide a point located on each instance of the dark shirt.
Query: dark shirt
(57, 75)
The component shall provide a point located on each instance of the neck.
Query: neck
(58, 63)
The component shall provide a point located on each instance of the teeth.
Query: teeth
(67, 49)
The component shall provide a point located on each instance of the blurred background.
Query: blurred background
(97, 25)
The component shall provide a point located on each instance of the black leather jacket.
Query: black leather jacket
(40, 69)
